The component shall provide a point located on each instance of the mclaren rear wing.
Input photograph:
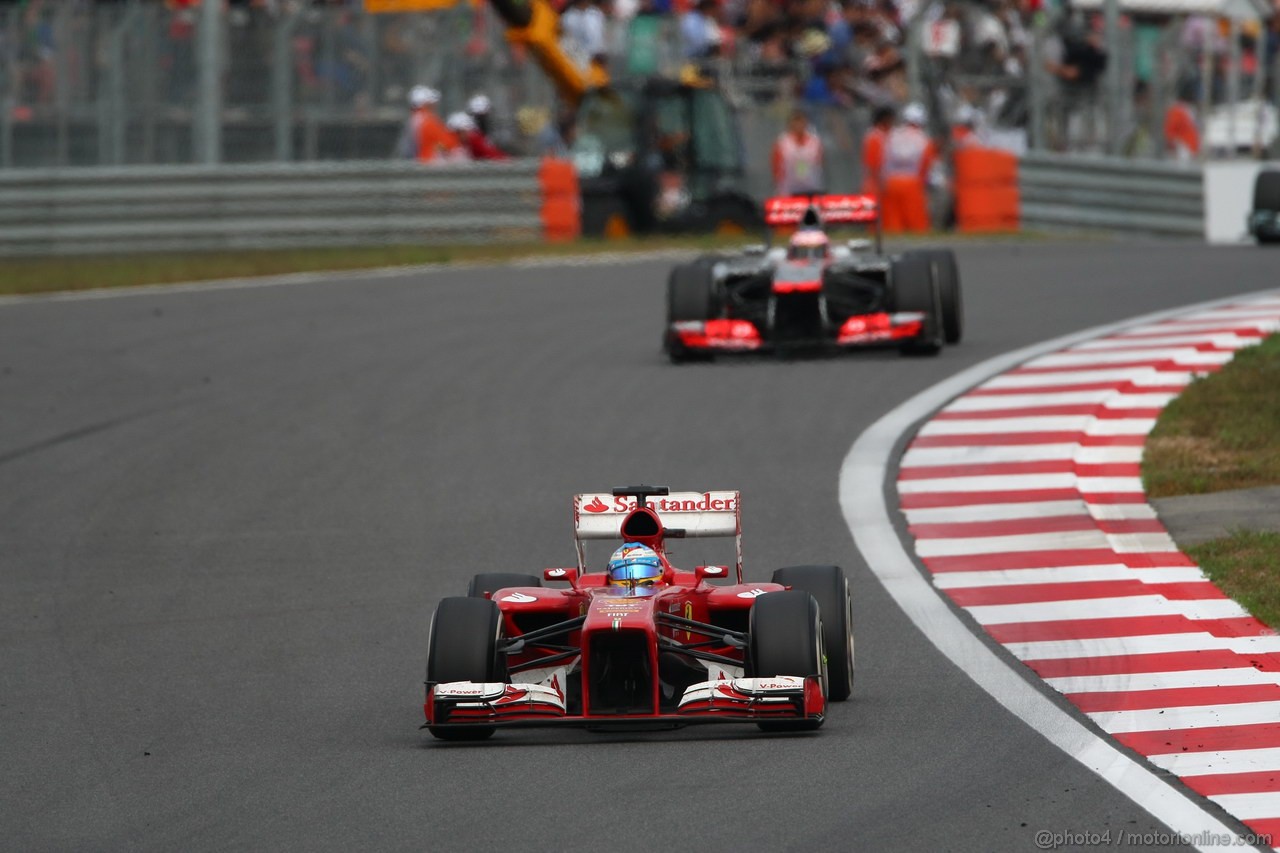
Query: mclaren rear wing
(819, 211)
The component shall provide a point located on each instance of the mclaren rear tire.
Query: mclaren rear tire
(785, 638)
(830, 588)
(485, 584)
(463, 646)
(691, 297)
(915, 288)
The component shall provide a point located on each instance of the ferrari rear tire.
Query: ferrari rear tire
(948, 275)
(785, 638)
(463, 646)
(830, 588)
(915, 288)
(691, 297)
(487, 583)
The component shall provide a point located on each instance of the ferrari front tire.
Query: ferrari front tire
(785, 638)
(830, 588)
(463, 646)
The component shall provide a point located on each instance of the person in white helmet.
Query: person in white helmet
(407, 143)
(425, 137)
(476, 145)
(909, 154)
(459, 124)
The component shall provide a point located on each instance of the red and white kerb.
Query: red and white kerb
(1025, 501)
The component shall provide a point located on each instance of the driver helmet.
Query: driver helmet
(809, 243)
(636, 567)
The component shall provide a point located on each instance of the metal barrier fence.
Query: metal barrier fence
(1066, 192)
(194, 208)
(302, 205)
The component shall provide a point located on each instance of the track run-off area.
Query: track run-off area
(226, 515)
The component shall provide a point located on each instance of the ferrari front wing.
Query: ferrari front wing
(779, 698)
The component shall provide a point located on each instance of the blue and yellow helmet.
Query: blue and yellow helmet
(635, 566)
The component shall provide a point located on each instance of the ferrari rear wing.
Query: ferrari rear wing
(600, 515)
(695, 514)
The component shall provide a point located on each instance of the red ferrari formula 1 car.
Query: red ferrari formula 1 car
(814, 292)
(643, 643)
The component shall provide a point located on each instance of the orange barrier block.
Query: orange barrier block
(561, 219)
(986, 166)
(986, 190)
(561, 201)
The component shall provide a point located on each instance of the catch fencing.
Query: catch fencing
(260, 206)
(143, 82)
(1222, 64)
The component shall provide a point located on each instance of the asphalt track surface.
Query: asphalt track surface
(226, 517)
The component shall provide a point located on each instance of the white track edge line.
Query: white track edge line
(863, 484)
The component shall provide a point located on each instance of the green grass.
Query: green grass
(1246, 566)
(1222, 432)
(20, 276)
(47, 275)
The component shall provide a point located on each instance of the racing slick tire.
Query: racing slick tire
(948, 275)
(830, 588)
(486, 584)
(463, 646)
(691, 295)
(915, 288)
(785, 638)
(1266, 191)
(1266, 197)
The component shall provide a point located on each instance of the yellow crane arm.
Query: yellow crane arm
(534, 24)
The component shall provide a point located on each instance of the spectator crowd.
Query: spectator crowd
(973, 61)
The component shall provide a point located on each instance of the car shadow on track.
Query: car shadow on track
(551, 737)
(802, 356)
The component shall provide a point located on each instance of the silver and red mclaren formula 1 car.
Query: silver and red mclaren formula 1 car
(814, 292)
(689, 646)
